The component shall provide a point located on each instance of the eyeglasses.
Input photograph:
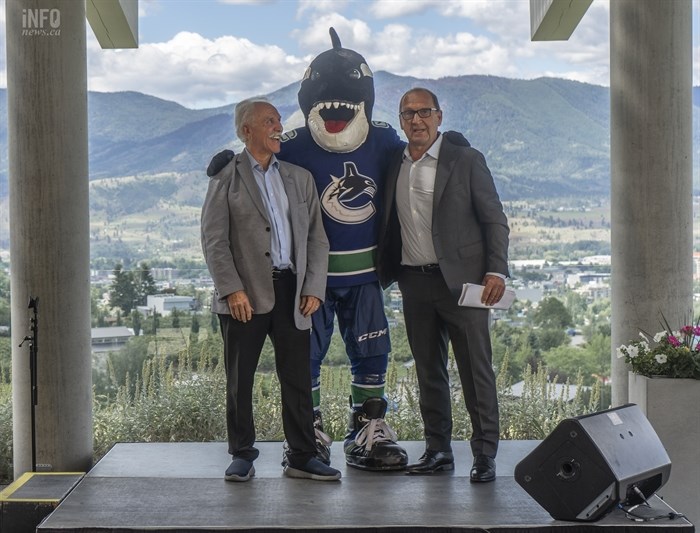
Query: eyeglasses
(422, 113)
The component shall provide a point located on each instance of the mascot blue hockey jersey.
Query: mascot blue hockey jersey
(349, 186)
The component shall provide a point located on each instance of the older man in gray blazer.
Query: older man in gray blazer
(267, 252)
(443, 225)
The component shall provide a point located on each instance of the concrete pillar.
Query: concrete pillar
(651, 166)
(49, 229)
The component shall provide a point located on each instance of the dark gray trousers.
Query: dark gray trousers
(433, 319)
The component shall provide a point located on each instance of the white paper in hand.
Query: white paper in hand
(471, 297)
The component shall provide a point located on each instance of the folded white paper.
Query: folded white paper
(471, 297)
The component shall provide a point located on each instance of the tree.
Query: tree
(551, 313)
(136, 322)
(144, 283)
(122, 293)
(175, 318)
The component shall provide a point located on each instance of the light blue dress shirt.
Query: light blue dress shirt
(277, 205)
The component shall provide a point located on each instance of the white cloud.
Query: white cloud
(392, 8)
(193, 70)
(354, 34)
(319, 6)
(436, 57)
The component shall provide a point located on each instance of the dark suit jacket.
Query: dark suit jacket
(470, 229)
(236, 237)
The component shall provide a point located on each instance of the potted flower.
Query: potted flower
(671, 354)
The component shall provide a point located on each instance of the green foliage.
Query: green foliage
(4, 298)
(567, 362)
(5, 426)
(130, 289)
(120, 367)
(551, 313)
(143, 281)
(6, 357)
(183, 400)
(123, 293)
(166, 403)
(550, 338)
(538, 411)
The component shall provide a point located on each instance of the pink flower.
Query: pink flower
(673, 341)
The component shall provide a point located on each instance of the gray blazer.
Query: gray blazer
(470, 229)
(236, 237)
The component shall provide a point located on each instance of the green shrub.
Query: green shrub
(5, 427)
(178, 400)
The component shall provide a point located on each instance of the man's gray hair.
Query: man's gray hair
(242, 114)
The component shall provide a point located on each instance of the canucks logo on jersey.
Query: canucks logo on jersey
(348, 199)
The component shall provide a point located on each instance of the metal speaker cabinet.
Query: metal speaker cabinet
(590, 463)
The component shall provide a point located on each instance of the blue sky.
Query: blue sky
(207, 53)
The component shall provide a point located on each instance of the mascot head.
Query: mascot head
(336, 97)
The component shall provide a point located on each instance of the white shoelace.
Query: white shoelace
(323, 438)
(377, 430)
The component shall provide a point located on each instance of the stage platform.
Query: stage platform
(177, 487)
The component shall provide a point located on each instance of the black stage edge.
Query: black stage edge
(179, 487)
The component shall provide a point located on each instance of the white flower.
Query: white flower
(661, 358)
(644, 337)
(660, 335)
(632, 351)
(621, 352)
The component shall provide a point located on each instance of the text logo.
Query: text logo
(372, 335)
(41, 22)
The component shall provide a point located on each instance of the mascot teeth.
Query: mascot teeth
(338, 126)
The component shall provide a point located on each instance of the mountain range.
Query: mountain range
(541, 138)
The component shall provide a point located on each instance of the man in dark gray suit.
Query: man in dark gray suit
(267, 252)
(443, 225)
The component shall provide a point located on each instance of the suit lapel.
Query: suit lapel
(245, 171)
(446, 163)
(293, 198)
(290, 185)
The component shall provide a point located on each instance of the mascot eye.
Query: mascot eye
(315, 75)
(354, 74)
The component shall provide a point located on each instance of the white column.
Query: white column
(49, 222)
(651, 165)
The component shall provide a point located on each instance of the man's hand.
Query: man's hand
(219, 161)
(309, 304)
(239, 305)
(494, 288)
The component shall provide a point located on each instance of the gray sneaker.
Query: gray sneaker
(313, 469)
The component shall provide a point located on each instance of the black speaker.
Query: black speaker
(590, 463)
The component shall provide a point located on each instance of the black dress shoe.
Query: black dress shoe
(431, 462)
(483, 470)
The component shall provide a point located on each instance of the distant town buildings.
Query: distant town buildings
(109, 339)
(165, 304)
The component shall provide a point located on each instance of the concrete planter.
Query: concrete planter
(672, 406)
